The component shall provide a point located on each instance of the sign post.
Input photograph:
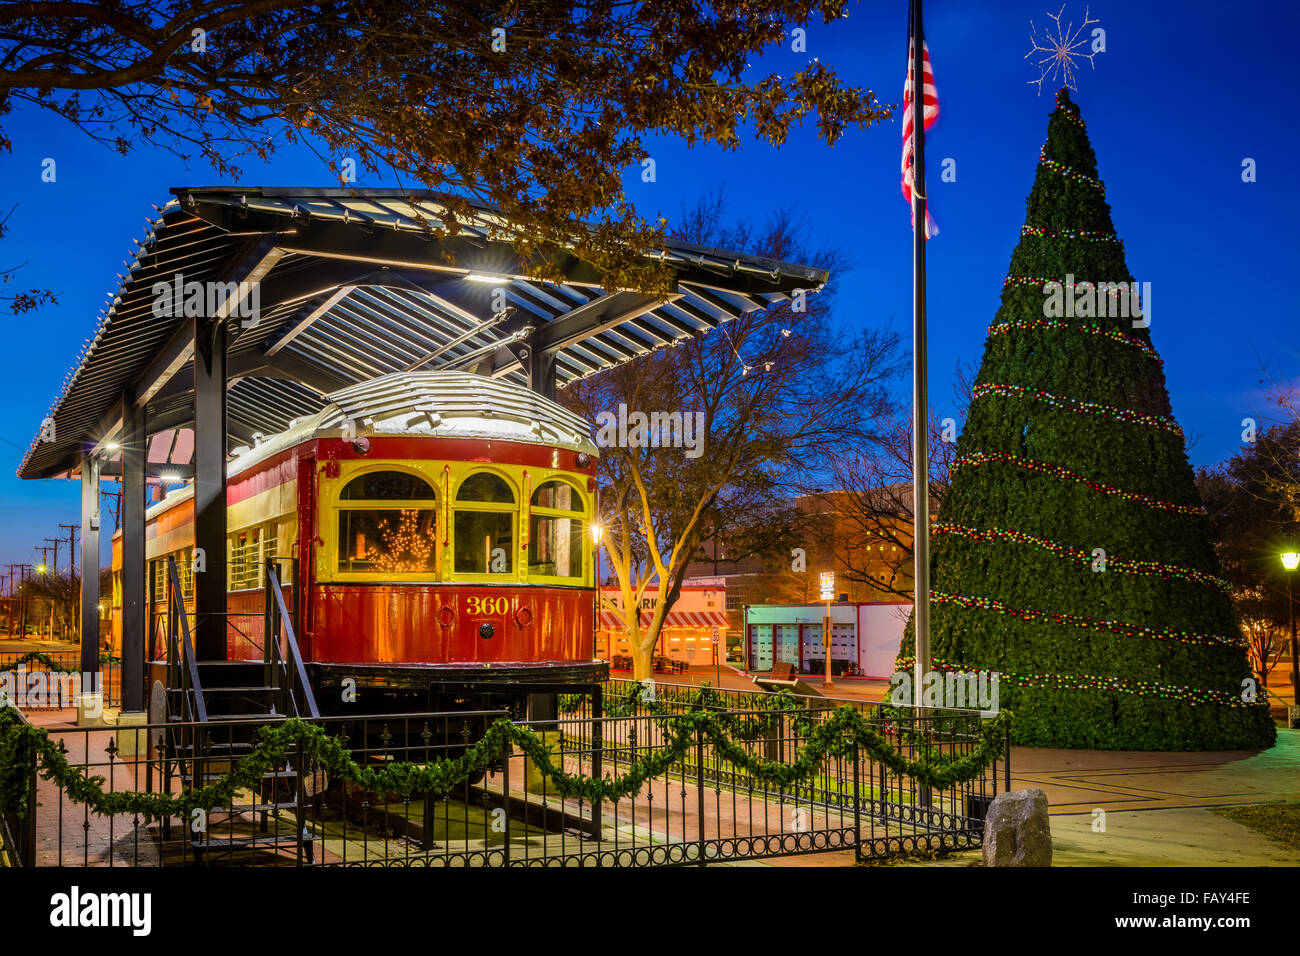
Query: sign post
(717, 658)
(828, 595)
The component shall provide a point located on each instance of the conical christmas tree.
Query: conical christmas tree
(1072, 554)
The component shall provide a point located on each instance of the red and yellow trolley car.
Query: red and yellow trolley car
(440, 522)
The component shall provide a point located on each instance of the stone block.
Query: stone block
(1017, 831)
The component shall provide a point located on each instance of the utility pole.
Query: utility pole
(72, 544)
(116, 507)
(12, 602)
(45, 569)
(54, 570)
(23, 588)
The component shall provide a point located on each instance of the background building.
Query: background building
(687, 634)
(868, 548)
(865, 636)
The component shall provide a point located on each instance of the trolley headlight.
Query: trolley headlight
(486, 630)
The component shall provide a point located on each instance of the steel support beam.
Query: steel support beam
(599, 315)
(209, 338)
(89, 568)
(258, 258)
(538, 364)
(134, 616)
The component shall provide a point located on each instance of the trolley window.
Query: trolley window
(484, 527)
(245, 563)
(387, 522)
(555, 533)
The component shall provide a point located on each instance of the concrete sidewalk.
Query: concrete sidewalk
(24, 645)
(1083, 780)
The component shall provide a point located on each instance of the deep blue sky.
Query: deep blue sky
(1183, 93)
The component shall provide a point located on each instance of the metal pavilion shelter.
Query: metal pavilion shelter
(348, 285)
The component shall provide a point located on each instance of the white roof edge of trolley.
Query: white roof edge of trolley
(433, 405)
(423, 404)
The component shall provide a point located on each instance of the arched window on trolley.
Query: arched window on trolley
(483, 529)
(556, 540)
(387, 526)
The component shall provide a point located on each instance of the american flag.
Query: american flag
(931, 107)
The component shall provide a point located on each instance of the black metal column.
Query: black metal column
(210, 489)
(89, 569)
(539, 365)
(134, 616)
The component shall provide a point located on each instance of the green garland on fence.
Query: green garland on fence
(20, 743)
(42, 658)
(763, 721)
(626, 705)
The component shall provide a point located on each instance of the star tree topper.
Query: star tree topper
(1058, 49)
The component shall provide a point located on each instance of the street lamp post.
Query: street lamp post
(597, 532)
(828, 593)
(1290, 561)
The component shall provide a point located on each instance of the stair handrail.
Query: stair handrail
(177, 609)
(294, 670)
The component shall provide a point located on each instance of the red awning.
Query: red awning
(695, 620)
(610, 621)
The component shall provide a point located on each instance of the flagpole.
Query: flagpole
(920, 399)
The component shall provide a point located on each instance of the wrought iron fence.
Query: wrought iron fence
(637, 697)
(701, 807)
(35, 685)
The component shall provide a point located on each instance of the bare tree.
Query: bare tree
(1279, 452)
(1266, 639)
(1253, 518)
(57, 593)
(775, 393)
(873, 498)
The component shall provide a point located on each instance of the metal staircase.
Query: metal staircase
(215, 709)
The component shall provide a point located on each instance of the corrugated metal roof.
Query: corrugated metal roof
(360, 285)
(458, 405)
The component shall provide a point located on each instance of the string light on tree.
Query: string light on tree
(1091, 328)
(1056, 471)
(1165, 572)
(1069, 112)
(1121, 628)
(1083, 235)
(1078, 407)
(1070, 172)
(1194, 696)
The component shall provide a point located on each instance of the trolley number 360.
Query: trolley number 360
(487, 605)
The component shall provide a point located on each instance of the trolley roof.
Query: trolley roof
(434, 405)
(424, 404)
(354, 285)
